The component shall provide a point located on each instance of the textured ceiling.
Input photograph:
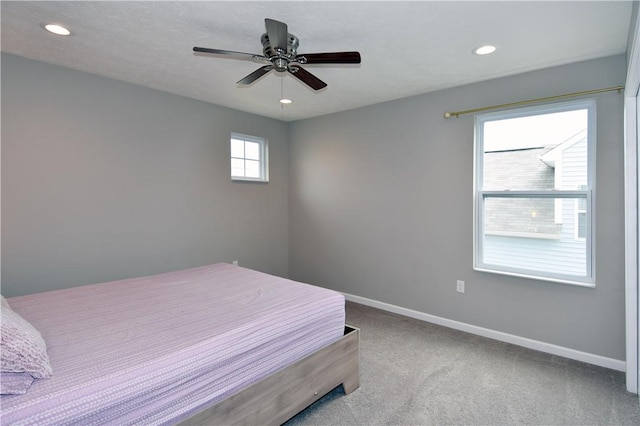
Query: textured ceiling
(407, 48)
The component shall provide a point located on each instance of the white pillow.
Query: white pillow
(23, 349)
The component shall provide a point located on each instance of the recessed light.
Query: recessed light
(57, 29)
(286, 101)
(487, 49)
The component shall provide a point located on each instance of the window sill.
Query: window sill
(248, 180)
(538, 278)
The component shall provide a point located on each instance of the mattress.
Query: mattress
(158, 349)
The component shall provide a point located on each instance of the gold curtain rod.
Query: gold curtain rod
(450, 114)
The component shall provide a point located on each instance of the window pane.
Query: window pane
(252, 169)
(249, 153)
(538, 152)
(252, 150)
(237, 148)
(237, 167)
(521, 233)
(534, 217)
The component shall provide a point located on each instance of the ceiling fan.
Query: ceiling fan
(280, 54)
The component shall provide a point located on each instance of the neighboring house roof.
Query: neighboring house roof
(550, 157)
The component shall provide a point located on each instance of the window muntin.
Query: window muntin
(248, 158)
(534, 192)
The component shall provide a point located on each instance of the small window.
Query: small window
(534, 175)
(248, 158)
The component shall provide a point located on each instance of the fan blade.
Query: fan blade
(256, 75)
(235, 55)
(278, 34)
(329, 58)
(307, 78)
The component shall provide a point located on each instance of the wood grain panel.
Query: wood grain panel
(283, 394)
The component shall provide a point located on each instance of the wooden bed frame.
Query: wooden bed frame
(283, 394)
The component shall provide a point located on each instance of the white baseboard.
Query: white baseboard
(601, 361)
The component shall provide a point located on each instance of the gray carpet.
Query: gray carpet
(416, 373)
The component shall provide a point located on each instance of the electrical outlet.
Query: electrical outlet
(460, 286)
(235, 263)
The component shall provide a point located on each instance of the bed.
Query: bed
(218, 344)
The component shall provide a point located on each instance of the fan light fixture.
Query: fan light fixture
(286, 101)
(57, 29)
(487, 49)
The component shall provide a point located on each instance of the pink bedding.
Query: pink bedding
(155, 350)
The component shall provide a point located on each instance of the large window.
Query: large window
(248, 158)
(534, 192)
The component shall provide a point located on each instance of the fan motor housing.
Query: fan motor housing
(280, 60)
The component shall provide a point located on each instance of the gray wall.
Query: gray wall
(104, 180)
(381, 207)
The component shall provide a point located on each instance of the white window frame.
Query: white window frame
(588, 193)
(263, 158)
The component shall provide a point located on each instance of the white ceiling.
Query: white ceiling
(407, 48)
